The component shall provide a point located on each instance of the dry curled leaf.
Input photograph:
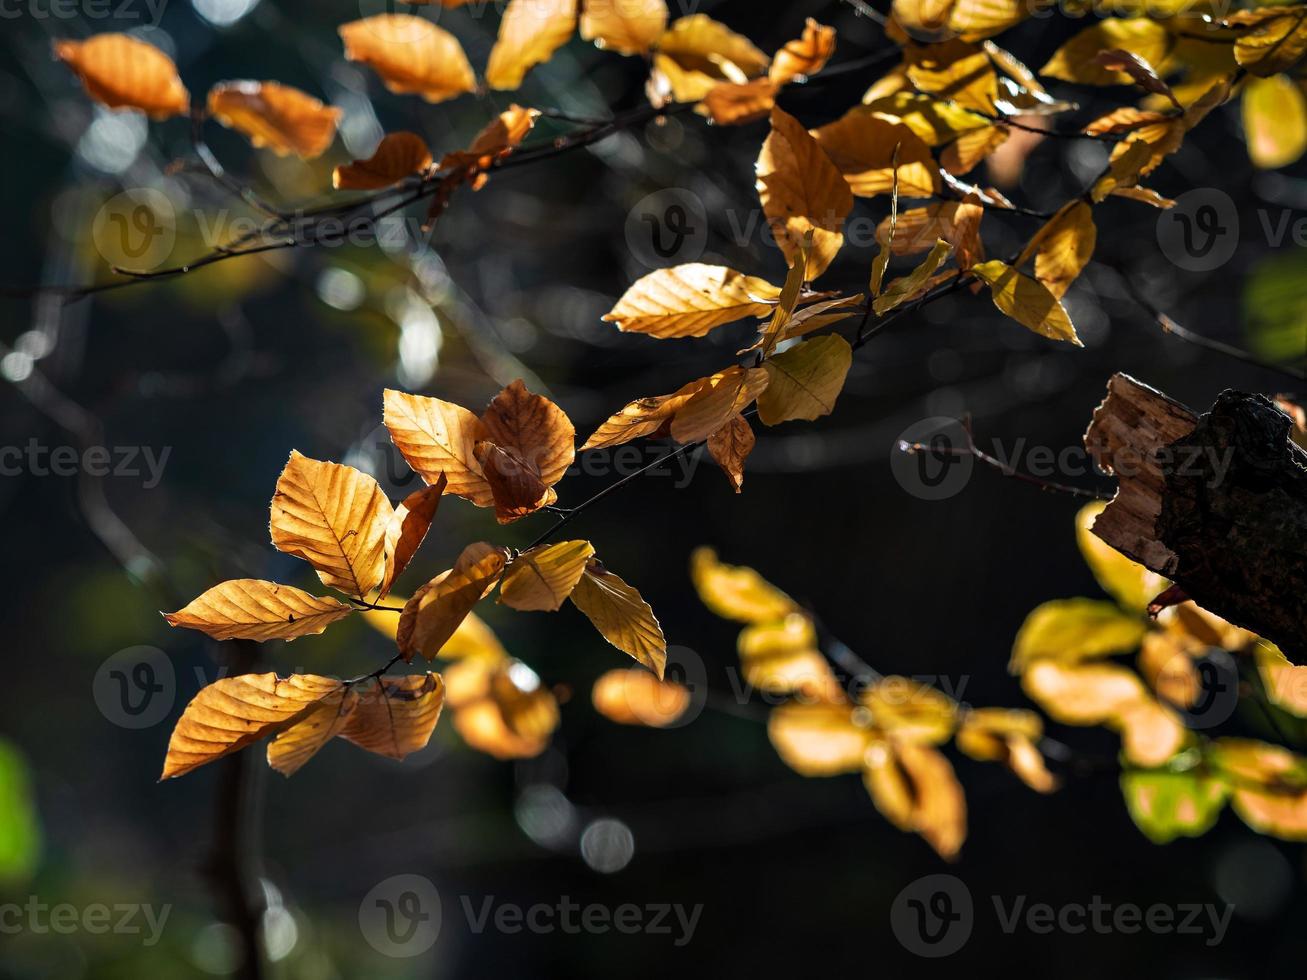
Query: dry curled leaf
(437, 609)
(730, 446)
(497, 140)
(804, 56)
(397, 156)
(412, 55)
(621, 616)
(252, 609)
(395, 716)
(735, 104)
(690, 300)
(717, 399)
(540, 580)
(276, 116)
(122, 72)
(407, 528)
(335, 518)
(529, 34)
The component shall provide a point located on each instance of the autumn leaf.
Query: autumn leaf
(537, 429)
(438, 439)
(735, 104)
(910, 711)
(691, 300)
(630, 696)
(770, 335)
(397, 156)
(978, 19)
(335, 518)
(870, 150)
(276, 116)
(1274, 121)
(122, 72)
(501, 708)
(804, 56)
(1275, 42)
(782, 658)
(621, 616)
(296, 744)
(730, 446)
(251, 609)
(642, 417)
(716, 401)
(411, 55)
(934, 121)
(1009, 737)
(697, 53)
(236, 712)
(805, 380)
(802, 193)
(1140, 70)
(1167, 805)
(736, 591)
(540, 580)
(395, 716)
(968, 150)
(1027, 301)
(953, 70)
(624, 26)
(1064, 246)
(1126, 581)
(529, 34)
(495, 142)
(434, 613)
(1082, 693)
(407, 529)
(905, 288)
(818, 738)
(1284, 683)
(1077, 60)
(1070, 630)
(915, 788)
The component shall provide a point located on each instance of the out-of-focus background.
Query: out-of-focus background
(211, 379)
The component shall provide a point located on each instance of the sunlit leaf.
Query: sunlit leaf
(818, 738)
(1274, 121)
(737, 592)
(398, 155)
(716, 401)
(412, 55)
(804, 56)
(251, 609)
(395, 716)
(782, 658)
(1070, 630)
(1008, 737)
(407, 529)
(1077, 60)
(864, 147)
(276, 116)
(910, 711)
(621, 616)
(624, 26)
(630, 696)
(806, 380)
(730, 446)
(1027, 301)
(1273, 43)
(915, 788)
(122, 72)
(529, 34)
(1167, 805)
(438, 438)
(691, 300)
(501, 709)
(541, 579)
(434, 613)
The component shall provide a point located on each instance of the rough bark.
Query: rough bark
(1215, 502)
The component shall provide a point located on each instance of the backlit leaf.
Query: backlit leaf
(1066, 244)
(806, 380)
(1125, 580)
(690, 300)
(529, 34)
(717, 400)
(251, 609)
(395, 716)
(624, 26)
(412, 55)
(735, 104)
(276, 116)
(818, 738)
(730, 446)
(434, 613)
(1274, 121)
(1274, 43)
(540, 580)
(782, 658)
(915, 788)
(1082, 693)
(804, 56)
(863, 146)
(399, 155)
(1077, 60)
(299, 742)
(438, 438)
(501, 709)
(1070, 630)
(1166, 805)
(621, 616)
(737, 592)
(122, 72)
(1027, 301)
(630, 696)
(408, 528)
(906, 287)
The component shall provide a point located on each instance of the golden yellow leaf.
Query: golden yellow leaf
(1076, 61)
(1274, 43)
(782, 658)
(122, 72)
(737, 592)
(1274, 121)
(804, 56)
(251, 609)
(1069, 630)
(702, 45)
(335, 518)
(690, 300)
(434, 613)
(933, 120)
(407, 529)
(439, 438)
(806, 380)
(624, 26)
(802, 194)
(1150, 734)
(236, 712)
(276, 116)
(640, 418)
(621, 616)
(395, 716)
(412, 55)
(918, 229)
(529, 34)
(953, 70)
(818, 738)
(730, 446)
(1285, 684)
(501, 709)
(1027, 301)
(1128, 162)
(540, 580)
(398, 155)
(1082, 693)
(630, 696)
(534, 427)
(977, 19)
(718, 399)
(906, 287)
(1169, 668)
(915, 788)
(922, 17)
(1065, 247)
(296, 744)
(497, 140)
(1125, 580)
(1009, 737)
(910, 711)
(770, 335)
(964, 153)
(863, 147)
(473, 638)
(735, 104)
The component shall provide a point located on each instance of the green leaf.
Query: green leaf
(1072, 630)
(20, 827)
(1166, 805)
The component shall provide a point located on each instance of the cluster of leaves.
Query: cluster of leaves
(338, 519)
(888, 729)
(1176, 780)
